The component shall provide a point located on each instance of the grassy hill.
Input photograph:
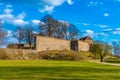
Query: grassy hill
(56, 70)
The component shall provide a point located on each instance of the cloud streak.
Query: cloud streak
(94, 3)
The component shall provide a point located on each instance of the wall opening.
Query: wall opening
(74, 45)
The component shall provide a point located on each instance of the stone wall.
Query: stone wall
(19, 46)
(83, 46)
(43, 43)
(47, 43)
(89, 41)
(79, 45)
(15, 46)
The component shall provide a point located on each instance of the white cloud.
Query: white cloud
(106, 14)
(53, 2)
(8, 11)
(85, 24)
(89, 33)
(49, 5)
(94, 3)
(47, 8)
(116, 31)
(93, 34)
(70, 2)
(113, 31)
(95, 25)
(20, 22)
(101, 34)
(56, 2)
(36, 22)
(8, 17)
(21, 15)
(101, 25)
(107, 30)
(42, 5)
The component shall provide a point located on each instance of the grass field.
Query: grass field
(57, 70)
(113, 60)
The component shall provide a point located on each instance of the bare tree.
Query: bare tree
(116, 48)
(73, 32)
(19, 34)
(66, 31)
(29, 35)
(58, 29)
(3, 33)
(47, 28)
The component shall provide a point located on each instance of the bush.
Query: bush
(64, 55)
(112, 59)
(3, 54)
(18, 54)
(85, 55)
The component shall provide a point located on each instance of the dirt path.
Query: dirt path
(114, 64)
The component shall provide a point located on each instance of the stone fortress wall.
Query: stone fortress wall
(43, 43)
(83, 46)
(47, 43)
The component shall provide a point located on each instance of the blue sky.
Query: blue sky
(96, 18)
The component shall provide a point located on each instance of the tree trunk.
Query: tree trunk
(101, 58)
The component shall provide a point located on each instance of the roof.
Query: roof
(86, 37)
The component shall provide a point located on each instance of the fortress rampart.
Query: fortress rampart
(43, 43)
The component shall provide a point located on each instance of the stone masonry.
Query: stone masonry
(43, 43)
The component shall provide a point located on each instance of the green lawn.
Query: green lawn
(57, 70)
(113, 60)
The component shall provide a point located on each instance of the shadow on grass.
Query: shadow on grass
(113, 61)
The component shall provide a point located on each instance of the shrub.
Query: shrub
(3, 54)
(112, 59)
(19, 54)
(64, 55)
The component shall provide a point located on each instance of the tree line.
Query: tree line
(48, 27)
(57, 29)
(3, 33)
(116, 48)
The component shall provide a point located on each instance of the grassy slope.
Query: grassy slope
(113, 60)
(51, 70)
